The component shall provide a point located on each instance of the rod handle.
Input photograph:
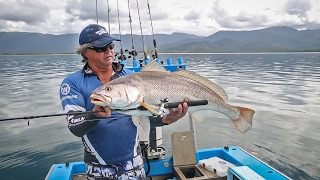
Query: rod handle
(190, 103)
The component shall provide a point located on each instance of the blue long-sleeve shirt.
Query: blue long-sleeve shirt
(106, 141)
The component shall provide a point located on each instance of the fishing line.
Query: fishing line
(133, 52)
(155, 55)
(122, 57)
(166, 105)
(62, 114)
(142, 36)
(49, 115)
(106, 118)
(108, 16)
(97, 11)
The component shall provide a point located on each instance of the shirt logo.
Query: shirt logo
(69, 97)
(65, 89)
(88, 71)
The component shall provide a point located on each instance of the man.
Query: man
(110, 139)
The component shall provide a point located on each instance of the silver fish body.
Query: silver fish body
(151, 85)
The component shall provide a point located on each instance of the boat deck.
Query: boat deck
(184, 164)
(210, 174)
(163, 167)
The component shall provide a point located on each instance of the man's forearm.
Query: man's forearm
(82, 124)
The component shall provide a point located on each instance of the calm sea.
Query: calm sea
(283, 89)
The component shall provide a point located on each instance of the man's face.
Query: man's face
(100, 56)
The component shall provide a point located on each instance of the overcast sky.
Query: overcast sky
(200, 17)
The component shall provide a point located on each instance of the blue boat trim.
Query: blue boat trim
(169, 66)
(65, 171)
(232, 154)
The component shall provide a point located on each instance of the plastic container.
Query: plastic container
(216, 165)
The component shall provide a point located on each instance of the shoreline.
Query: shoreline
(70, 53)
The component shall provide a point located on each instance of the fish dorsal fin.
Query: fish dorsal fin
(204, 81)
(153, 66)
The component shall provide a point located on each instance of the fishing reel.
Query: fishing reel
(120, 56)
(131, 53)
(154, 54)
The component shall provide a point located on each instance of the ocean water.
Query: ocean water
(283, 89)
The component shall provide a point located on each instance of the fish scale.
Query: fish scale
(178, 89)
(153, 83)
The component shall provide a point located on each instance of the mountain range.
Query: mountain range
(272, 39)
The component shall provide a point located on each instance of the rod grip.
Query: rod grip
(190, 103)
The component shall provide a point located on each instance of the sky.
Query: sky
(199, 17)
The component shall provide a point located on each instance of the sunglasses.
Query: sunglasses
(102, 49)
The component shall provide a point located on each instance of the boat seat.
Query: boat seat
(184, 158)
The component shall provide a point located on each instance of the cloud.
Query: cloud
(30, 12)
(81, 10)
(168, 16)
(301, 10)
(292, 13)
(298, 7)
(192, 15)
(240, 20)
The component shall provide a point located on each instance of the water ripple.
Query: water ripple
(283, 89)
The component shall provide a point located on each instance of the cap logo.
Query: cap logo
(101, 31)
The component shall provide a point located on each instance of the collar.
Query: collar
(117, 67)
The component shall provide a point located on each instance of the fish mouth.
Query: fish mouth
(100, 100)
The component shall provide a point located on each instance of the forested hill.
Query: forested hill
(273, 39)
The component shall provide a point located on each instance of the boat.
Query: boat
(186, 161)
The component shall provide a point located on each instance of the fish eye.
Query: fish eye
(108, 88)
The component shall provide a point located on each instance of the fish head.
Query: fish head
(117, 96)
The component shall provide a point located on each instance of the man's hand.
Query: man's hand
(176, 115)
(105, 111)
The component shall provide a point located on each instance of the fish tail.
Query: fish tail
(244, 122)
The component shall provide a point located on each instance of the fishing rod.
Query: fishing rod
(122, 57)
(97, 11)
(141, 108)
(108, 16)
(133, 52)
(155, 55)
(49, 115)
(142, 36)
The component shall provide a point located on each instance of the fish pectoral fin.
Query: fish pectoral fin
(136, 112)
(153, 66)
(135, 120)
(152, 108)
(199, 115)
(142, 121)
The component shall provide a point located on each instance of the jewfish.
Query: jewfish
(153, 83)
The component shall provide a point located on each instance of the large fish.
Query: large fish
(153, 83)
